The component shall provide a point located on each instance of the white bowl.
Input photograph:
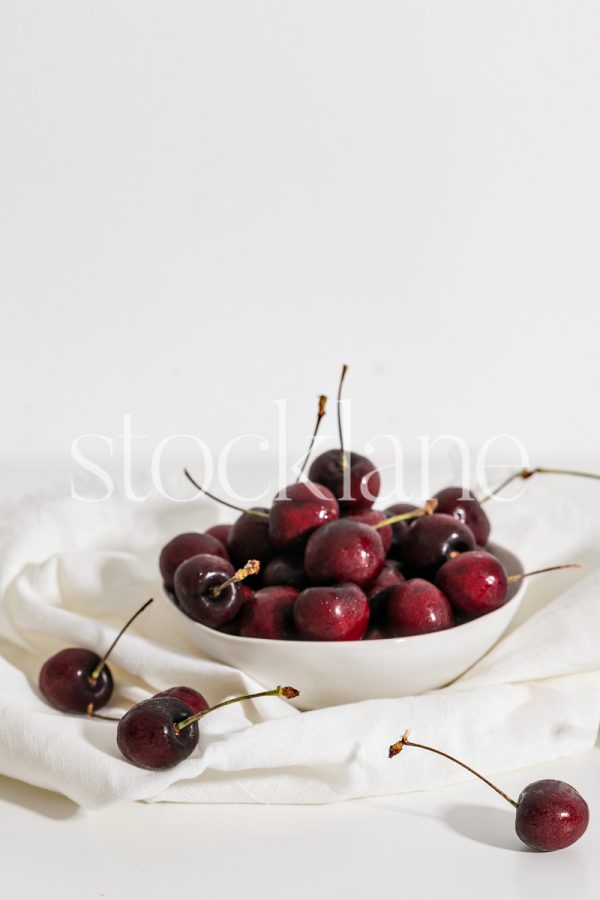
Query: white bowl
(328, 673)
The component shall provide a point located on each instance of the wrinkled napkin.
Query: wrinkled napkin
(71, 572)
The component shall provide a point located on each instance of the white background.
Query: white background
(205, 207)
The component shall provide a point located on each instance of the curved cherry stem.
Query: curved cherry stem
(288, 693)
(96, 671)
(343, 460)
(320, 414)
(427, 510)
(539, 470)
(95, 715)
(252, 567)
(404, 742)
(514, 578)
(241, 509)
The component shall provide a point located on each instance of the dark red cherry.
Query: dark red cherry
(375, 633)
(551, 815)
(431, 541)
(249, 539)
(399, 529)
(196, 582)
(344, 551)
(339, 613)
(464, 506)
(220, 532)
(270, 614)
(373, 517)
(66, 681)
(185, 546)
(287, 570)
(474, 582)
(297, 511)
(378, 593)
(148, 738)
(417, 607)
(356, 485)
(187, 695)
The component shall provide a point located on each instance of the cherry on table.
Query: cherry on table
(183, 547)
(187, 695)
(550, 815)
(336, 613)
(416, 607)
(464, 506)
(270, 614)
(208, 589)
(77, 680)
(344, 551)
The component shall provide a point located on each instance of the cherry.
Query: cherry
(339, 613)
(297, 511)
(269, 614)
(399, 529)
(352, 478)
(77, 680)
(220, 532)
(464, 506)
(374, 518)
(476, 582)
(431, 540)
(551, 815)
(287, 570)
(207, 588)
(249, 538)
(417, 607)
(379, 592)
(344, 551)
(187, 695)
(160, 732)
(183, 547)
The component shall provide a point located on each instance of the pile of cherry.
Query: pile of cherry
(321, 564)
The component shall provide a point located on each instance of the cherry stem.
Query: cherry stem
(539, 470)
(288, 693)
(241, 509)
(427, 510)
(320, 414)
(513, 578)
(404, 742)
(95, 715)
(96, 672)
(343, 460)
(252, 567)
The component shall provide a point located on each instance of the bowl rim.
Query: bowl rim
(504, 552)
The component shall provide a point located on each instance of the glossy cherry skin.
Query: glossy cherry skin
(378, 593)
(464, 506)
(270, 614)
(356, 486)
(297, 511)
(374, 517)
(147, 738)
(430, 541)
(474, 582)
(399, 529)
(249, 539)
(551, 815)
(65, 681)
(338, 613)
(287, 570)
(344, 551)
(417, 607)
(183, 547)
(187, 695)
(220, 532)
(193, 580)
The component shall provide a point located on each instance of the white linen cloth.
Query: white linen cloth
(71, 573)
